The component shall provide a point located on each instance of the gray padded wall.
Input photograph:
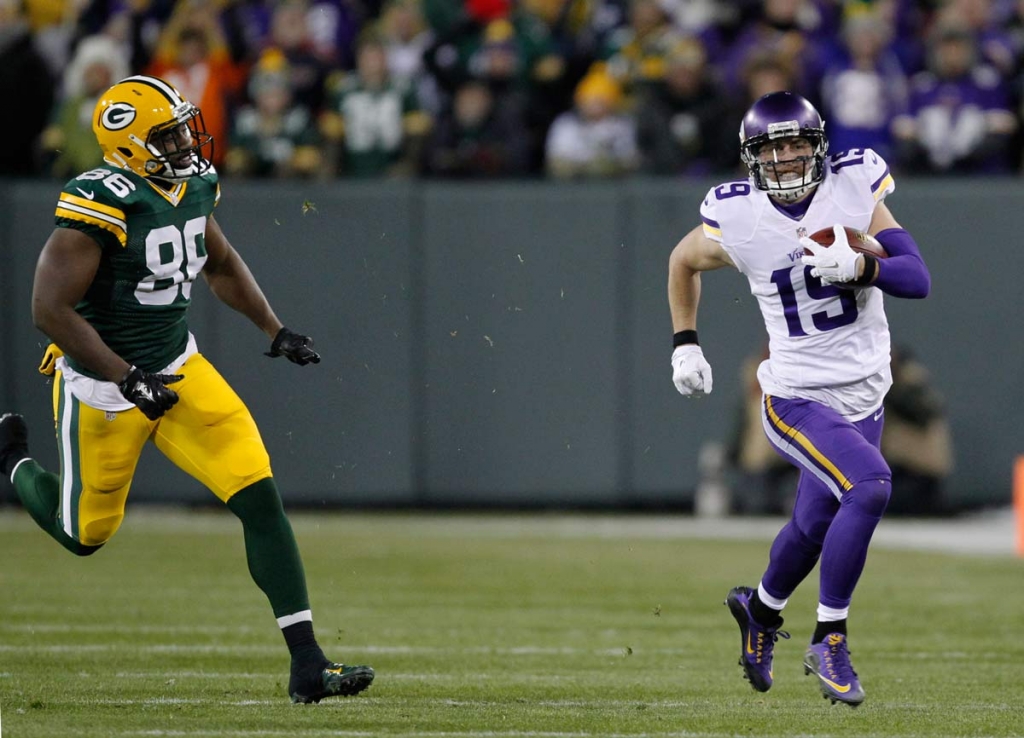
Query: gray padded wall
(509, 343)
(520, 344)
(337, 432)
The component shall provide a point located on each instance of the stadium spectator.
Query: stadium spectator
(681, 119)
(571, 42)
(762, 73)
(53, 24)
(25, 81)
(192, 54)
(761, 481)
(406, 38)
(594, 139)
(864, 88)
(958, 119)
(136, 25)
(290, 36)
(274, 136)
(985, 22)
(635, 54)
(512, 53)
(98, 63)
(334, 27)
(695, 17)
(478, 138)
(916, 441)
(374, 125)
(785, 30)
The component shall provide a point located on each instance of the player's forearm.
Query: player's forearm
(904, 273)
(237, 288)
(79, 340)
(683, 296)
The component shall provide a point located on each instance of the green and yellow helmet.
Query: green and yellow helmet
(144, 124)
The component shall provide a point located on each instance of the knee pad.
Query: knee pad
(871, 495)
(94, 533)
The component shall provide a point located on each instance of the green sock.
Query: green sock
(270, 547)
(39, 492)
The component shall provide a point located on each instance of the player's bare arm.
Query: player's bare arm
(694, 254)
(882, 219)
(232, 282)
(66, 268)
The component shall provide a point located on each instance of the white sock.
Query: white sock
(768, 600)
(298, 617)
(831, 614)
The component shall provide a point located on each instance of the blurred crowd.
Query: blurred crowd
(520, 88)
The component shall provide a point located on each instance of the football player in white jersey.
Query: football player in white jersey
(828, 365)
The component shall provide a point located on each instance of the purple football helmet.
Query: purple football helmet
(782, 115)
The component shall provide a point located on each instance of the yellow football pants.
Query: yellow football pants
(209, 433)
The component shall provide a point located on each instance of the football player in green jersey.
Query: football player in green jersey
(112, 290)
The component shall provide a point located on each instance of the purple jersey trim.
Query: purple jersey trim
(712, 223)
(877, 182)
(794, 210)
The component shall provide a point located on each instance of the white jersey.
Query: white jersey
(826, 344)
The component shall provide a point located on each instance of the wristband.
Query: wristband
(870, 270)
(682, 338)
(131, 368)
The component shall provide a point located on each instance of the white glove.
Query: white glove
(690, 371)
(833, 264)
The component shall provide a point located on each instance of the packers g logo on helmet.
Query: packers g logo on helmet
(119, 115)
(143, 124)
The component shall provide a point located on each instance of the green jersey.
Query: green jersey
(374, 124)
(154, 246)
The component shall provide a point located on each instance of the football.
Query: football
(860, 241)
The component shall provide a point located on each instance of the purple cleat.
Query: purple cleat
(830, 661)
(758, 642)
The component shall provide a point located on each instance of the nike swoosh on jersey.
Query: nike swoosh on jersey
(87, 195)
(879, 414)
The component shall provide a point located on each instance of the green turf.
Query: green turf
(483, 630)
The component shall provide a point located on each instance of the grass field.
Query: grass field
(484, 627)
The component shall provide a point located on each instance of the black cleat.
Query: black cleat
(13, 442)
(332, 680)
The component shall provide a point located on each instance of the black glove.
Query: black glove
(297, 349)
(149, 392)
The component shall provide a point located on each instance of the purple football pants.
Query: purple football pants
(842, 493)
